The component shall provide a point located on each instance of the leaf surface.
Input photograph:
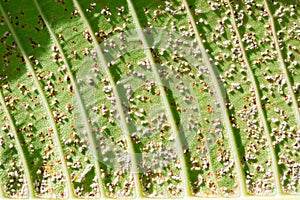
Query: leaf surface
(149, 99)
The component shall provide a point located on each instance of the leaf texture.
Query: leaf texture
(188, 99)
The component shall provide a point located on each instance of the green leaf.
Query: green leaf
(149, 99)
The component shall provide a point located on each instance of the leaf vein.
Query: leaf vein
(225, 114)
(78, 98)
(259, 105)
(282, 64)
(19, 147)
(56, 135)
(163, 94)
(118, 102)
